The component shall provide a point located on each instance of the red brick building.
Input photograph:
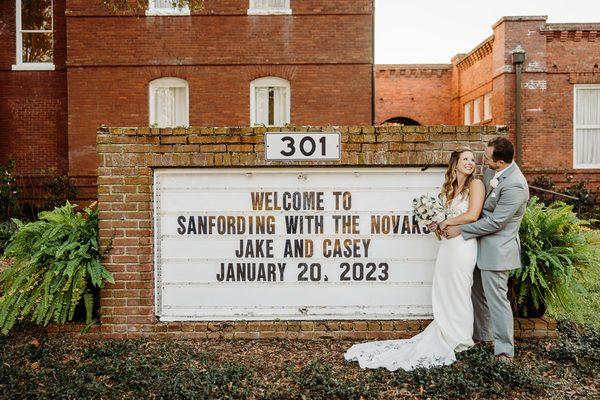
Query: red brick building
(560, 92)
(244, 62)
(234, 63)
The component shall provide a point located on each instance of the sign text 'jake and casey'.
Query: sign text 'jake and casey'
(352, 253)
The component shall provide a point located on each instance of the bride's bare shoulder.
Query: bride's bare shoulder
(477, 184)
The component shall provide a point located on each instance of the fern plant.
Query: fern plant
(555, 245)
(55, 262)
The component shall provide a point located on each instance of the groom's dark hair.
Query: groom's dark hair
(503, 149)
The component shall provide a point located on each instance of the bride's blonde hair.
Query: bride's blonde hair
(450, 185)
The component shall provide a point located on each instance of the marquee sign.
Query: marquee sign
(253, 244)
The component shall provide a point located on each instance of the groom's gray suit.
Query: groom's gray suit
(499, 251)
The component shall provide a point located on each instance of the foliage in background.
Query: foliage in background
(9, 201)
(584, 206)
(555, 245)
(56, 260)
(119, 6)
(58, 191)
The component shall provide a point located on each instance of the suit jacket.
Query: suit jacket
(497, 230)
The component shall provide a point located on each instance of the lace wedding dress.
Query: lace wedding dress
(452, 327)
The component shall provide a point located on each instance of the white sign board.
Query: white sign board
(302, 146)
(249, 244)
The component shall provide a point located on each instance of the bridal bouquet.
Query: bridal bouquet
(427, 210)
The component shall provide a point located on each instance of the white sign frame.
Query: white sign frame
(419, 288)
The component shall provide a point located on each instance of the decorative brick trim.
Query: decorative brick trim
(544, 327)
(412, 70)
(576, 34)
(584, 77)
(128, 155)
(482, 50)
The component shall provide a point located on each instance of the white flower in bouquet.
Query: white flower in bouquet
(428, 209)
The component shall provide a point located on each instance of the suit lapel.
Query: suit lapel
(489, 186)
(502, 177)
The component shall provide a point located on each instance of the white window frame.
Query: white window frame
(253, 9)
(270, 81)
(168, 82)
(30, 66)
(165, 11)
(575, 126)
(467, 113)
(477, 110)
(487, 106)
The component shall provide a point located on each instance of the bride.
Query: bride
(452, 327)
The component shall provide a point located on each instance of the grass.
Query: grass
(35, 366)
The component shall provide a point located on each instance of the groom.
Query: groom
(499, 249)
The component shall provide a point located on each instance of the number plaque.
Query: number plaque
(302, 146)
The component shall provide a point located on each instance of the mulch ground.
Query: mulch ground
(34, 366)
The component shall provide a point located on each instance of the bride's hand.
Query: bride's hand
(443, 225)
(433, 226)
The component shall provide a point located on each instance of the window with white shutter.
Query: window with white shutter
(166, 7)
(586, 126)
(477, 110)
(34, 35)
(487, 106)
(269, 7)
(270, 101)
(467, 112)
(168, 103)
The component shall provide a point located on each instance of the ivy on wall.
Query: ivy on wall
(118, 6)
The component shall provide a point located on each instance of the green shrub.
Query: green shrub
(56, 261)
(555, 244)
(58, 190)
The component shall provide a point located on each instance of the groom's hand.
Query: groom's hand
(452, 231)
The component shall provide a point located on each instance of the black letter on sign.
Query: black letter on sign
(181, 222)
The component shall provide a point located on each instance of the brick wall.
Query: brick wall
(33, 106)
(419, 92)
(325, 50)
(126, 158)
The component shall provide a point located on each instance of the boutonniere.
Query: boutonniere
(493, 183)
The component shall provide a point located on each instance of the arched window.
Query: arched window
(270, 101)
(168, 102)
(402, 121)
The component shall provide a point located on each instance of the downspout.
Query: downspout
(518, 57)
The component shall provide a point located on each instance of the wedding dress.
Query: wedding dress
(452, 327)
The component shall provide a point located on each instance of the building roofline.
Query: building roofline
(382, 67)
(481, 50)
(572, 26)
(520, 18)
